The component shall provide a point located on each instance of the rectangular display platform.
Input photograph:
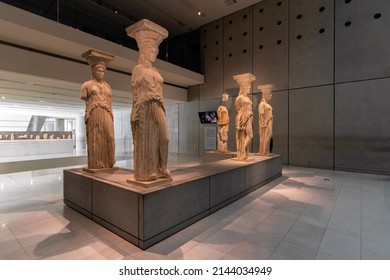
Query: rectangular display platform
(145, 216)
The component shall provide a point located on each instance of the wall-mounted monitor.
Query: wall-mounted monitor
(208, 117)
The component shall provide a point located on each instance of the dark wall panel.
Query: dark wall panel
(363, 126)
(311, 126)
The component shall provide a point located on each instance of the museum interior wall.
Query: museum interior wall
(330, 63)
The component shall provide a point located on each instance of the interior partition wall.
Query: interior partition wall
(329, 60)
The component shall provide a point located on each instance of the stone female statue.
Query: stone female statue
(223, 129)
(148, 120)
(99, 119)
(244, 115)
(265, 119)
(223, 126)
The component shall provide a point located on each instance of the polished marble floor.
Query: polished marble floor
(305, 214)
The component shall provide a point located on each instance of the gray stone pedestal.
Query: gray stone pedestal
(145, 216)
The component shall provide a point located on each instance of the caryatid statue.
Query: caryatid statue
(223, 125)
(244, 115)
(265, 119)
(148, 119)
(99, 118)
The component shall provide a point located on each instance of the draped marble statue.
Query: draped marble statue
(223, 126)
(244, 115)
(265, 119)
(99, 119)
(148, 120)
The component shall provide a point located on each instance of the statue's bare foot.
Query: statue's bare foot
(151, 177)
(166, 173)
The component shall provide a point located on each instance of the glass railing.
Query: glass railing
(102, 20)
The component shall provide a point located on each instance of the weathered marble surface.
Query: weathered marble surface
(244, 115)
(148, 118)
(265, 119)
(223, 128)
(99, 119)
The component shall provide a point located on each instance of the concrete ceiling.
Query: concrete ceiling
(177, 16)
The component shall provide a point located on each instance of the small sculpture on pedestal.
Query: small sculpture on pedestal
(148, 119)
(244, 115)
(265, 119)
(99, 118)
(223, 125)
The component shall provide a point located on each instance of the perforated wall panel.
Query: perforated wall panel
(270, 43)
(362, 39)
(212, 53)
(311, 43)
(237, 38)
